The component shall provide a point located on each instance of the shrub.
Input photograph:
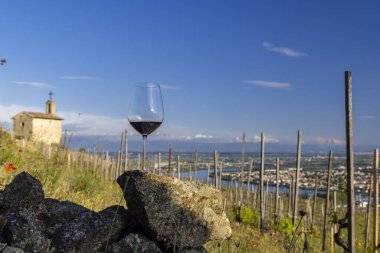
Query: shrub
(286, 226)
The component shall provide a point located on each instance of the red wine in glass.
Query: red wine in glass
(146, 111)
(145, 127)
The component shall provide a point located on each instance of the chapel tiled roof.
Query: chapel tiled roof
(41, 115)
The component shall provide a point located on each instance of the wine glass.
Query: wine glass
(146, 111)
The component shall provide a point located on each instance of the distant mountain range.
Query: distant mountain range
(111, 143)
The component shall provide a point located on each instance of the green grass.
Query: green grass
(59, 181)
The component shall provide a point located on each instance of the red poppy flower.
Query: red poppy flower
(311, 232)
(81, 182)
(9, 167)
(20, 151)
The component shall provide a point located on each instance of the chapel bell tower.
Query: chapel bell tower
(50, 104)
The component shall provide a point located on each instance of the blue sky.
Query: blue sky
(226, 67)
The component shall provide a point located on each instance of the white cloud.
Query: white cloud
(267, 139)
(79, 77)
(168, 87)
(33, 84)
(91, 124)
(7, 112)
(257, 138)
(369, 117)
(202, 136)
(283, 50)
(270, 84)
(319, 140)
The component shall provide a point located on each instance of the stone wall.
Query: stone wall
(22, 126)
(47, 130)
(164, 215)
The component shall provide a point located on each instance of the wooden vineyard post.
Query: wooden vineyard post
(327, 202)
(236, 191)
(159, 163)
(242, 167)
(118, 162)
(290, 206)
(68, 160)
(126, 149)
(220, 175)
(262, 185)
(190, 175)
(101, 163)
(195, 165)
(139, 161)
(215, 169)
(268, 202)
(332, 239)
(249, 181)
(208, 173)
(280, 210)
(170, 161)
(350, 164)
(376, 200)
(120, 158)
(335, 226)
(178, 168)
(107, 167)
(309, 214)
(94, 156)
(277, 185)
(368, 216)
(295, 199)
(315, 200)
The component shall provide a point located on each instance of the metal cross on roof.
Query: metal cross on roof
(51, 94)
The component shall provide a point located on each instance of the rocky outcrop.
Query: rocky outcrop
(4, 248)
(175, 213)
(23, 230)
(163, 213)
(89, 231)
(135, 243)
(24, 191)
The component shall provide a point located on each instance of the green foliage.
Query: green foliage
(333, 217)
(286, 226)
(249, 216)
(8, 153)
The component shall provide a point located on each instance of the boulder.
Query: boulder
(6, 249)
(1, 199)
(88, 231)
(176, 214)
(23, 230)
(194, 250)
(134, 243)
(59, 212)
(23, 192)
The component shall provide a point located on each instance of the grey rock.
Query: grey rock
(7, 249)
(1, 198)
(23, 230)
(134, 243)
(194, 250)
(89, 231)
(175, 213)
(58, 213)
(23, 192)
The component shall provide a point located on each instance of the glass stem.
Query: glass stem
(144, 151)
